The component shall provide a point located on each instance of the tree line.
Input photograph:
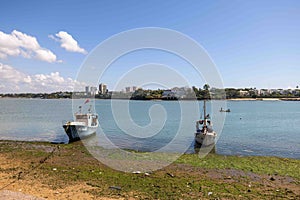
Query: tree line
(206, 92)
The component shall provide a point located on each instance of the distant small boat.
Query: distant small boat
(221, 110)
(206, 135)
(85, 125)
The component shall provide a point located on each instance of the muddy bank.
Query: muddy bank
(68, 171)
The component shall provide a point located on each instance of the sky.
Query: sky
(44, 44)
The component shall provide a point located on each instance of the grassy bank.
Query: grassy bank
(69, 171)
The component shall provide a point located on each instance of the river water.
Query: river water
(265, 128)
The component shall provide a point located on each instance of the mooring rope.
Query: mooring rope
(21, 174)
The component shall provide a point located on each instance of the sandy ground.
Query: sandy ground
(19, 179)
(28, 187)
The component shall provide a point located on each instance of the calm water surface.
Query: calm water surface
(268, 128)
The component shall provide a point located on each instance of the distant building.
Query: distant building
(296, 92)
(87, 90)
(280, 91)
(182, 92)
(127, 89)
(169, 94)
(273, 91)
(244, 93)
(78, 94)
(253, 92)
(102, 88)
(264, 92)
(131, 89)
(90, 90)
(286, 92)
(93, 90)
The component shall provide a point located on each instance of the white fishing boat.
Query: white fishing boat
(205, 135)
(84, 125)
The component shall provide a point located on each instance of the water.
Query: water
(267, 128)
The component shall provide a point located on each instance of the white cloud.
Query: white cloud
(45, 54)
(67, 42)
(26, 41)
(20, 44)
(9, 75)
(14, 81)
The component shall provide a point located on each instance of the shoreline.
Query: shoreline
(232, 99)
(255, 99)
(265, 99)
(141, 151)
(68, 171)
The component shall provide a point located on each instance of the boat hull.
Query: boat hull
(76, 132)
(205, 140)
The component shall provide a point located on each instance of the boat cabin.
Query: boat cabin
(88, 119)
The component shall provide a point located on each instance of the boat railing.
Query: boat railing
(64, 122)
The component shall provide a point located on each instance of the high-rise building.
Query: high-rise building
(127, 89)
(131, 89)
(93, 90)
(87, 90)
(102, 88)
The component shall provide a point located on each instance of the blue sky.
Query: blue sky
(253, 43)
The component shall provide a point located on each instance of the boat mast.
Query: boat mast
(204, 112)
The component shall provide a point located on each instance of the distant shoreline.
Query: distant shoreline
(264, 99)
(232, 99)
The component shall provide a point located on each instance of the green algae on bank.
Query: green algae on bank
(255, 164)
(59, 166)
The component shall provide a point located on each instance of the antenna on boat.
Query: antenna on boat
(204, 108)
(80, 109)
(204, 112)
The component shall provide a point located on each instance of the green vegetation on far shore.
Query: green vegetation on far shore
(173, 94)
